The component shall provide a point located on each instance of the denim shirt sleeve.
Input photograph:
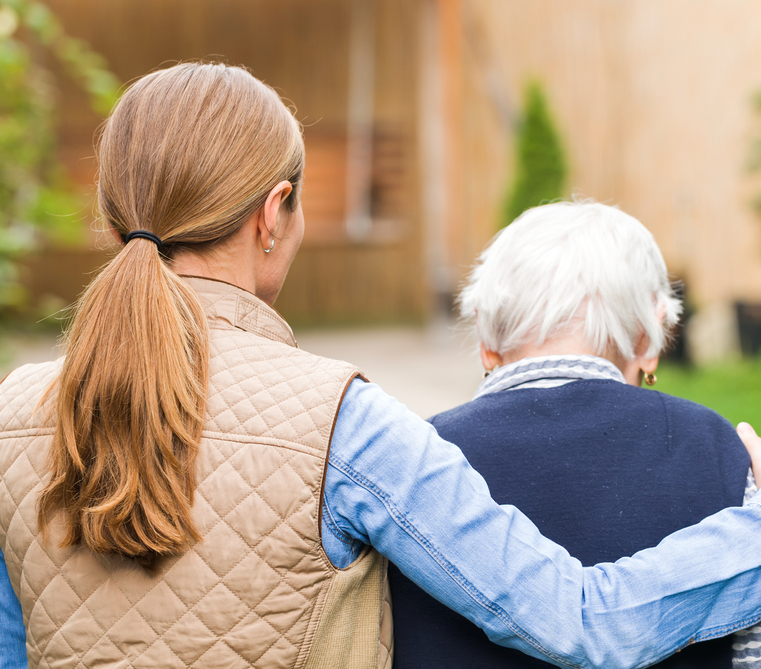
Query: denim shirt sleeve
(394, 484)
(12, 634)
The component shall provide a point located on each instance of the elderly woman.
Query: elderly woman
(572, 306)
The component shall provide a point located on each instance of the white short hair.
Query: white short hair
(570, 265)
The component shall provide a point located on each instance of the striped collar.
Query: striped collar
(548, 372)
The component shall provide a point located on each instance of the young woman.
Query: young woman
(187, 487)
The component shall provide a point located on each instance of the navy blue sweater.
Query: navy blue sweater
(603, 468)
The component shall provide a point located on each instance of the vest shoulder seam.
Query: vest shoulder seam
(253, 440)
(27, 432)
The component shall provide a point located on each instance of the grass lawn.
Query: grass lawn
(732, 389)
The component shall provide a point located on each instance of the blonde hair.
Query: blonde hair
(189, 153)
(572, 265)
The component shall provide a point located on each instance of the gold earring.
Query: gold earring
(490, 371)
(650, 379)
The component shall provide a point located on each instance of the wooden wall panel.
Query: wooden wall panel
(368, 283)
(652, 101)
(300, 47)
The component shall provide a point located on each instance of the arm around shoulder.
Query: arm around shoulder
(395, 484)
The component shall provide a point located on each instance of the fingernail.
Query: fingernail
(745, 428)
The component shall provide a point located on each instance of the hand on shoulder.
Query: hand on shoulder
(753, 443)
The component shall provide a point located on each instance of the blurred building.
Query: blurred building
(350, 69)
(653, 100)
(409, 108)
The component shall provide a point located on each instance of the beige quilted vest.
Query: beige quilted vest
(258, 591)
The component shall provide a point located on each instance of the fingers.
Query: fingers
(753, 443)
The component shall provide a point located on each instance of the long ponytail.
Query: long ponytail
(131, 402)
(188, 154)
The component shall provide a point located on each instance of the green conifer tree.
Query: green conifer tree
(540, 165)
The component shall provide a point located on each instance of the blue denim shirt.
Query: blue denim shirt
(12, 636)
(394, 484)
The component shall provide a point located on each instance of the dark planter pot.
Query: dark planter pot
(677, 350)
(749, 326)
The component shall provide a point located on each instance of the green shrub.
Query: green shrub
(540, 165)
(38, 204)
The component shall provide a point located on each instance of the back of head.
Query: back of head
(570, 265)
(188, 154)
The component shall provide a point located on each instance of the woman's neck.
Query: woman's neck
(574, 343)
(212, 267)
(232, 261)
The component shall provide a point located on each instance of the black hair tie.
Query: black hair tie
(144, 234)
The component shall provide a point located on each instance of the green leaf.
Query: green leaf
(38, 205)
(42, 22)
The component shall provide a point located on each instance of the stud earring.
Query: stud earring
(650, 379)
(272, 246)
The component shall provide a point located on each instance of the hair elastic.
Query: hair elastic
(144, 234)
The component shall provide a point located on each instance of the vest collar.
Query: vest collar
(240, 309)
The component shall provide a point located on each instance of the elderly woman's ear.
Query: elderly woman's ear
(648, 367)
(490, 359)
(641, 367)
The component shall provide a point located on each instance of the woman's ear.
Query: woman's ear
(489, 359)
(112, 231)
(661, 313)
(640, 366)
(268, 218)
(649, 365)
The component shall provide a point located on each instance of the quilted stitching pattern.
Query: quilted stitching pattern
(386, 646)
(244, 596)
(296, 409)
